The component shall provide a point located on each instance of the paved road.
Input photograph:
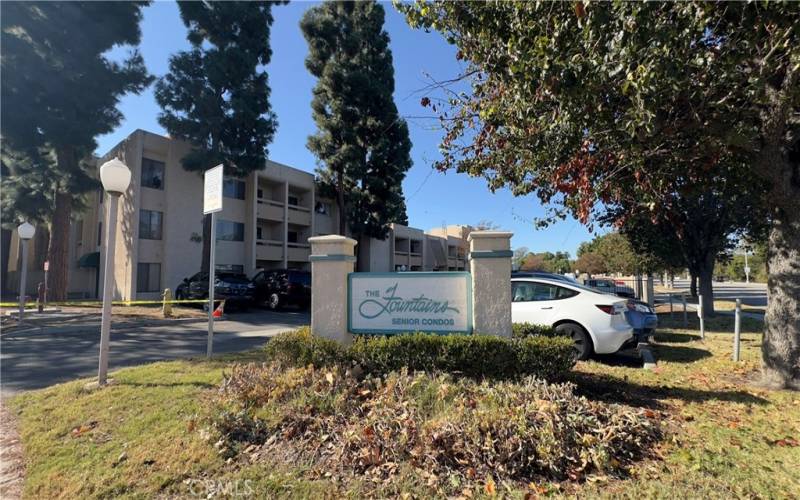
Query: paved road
(39, 357)
(752, 294)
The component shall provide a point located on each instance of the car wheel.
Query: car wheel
(274, 301)
(583, 343)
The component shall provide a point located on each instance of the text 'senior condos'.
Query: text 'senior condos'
(265, 223)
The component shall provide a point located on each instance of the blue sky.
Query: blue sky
(432, 198)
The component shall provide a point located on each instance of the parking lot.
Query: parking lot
(38, 356)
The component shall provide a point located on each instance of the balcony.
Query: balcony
(401, 259)
(298, 252)
(299, 215)
(269, 250)
(270, 210)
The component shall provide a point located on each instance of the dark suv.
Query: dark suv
(276, 288)
(234, 288)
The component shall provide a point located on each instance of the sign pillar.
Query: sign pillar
(212, 203)
(490, 266)
(332, 259)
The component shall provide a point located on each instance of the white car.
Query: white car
(595, 321)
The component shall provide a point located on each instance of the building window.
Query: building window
(260, 193)
(148, 277)
(259, 233)
(230, 231)
(230, 268)
(323, 208)
(233, 188)
(291, 236)
(150, 225)
(152, 173)
(294, 200)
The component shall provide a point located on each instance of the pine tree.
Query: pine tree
(216, 95)
(59, 92)
(361, 144)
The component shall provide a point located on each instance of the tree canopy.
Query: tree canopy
(361, 143)
(634, 105)
(59, 92)
(216, 94)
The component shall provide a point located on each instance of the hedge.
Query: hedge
(472, 355)
(300, 348)
(531, 330)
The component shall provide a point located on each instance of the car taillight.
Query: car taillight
(606, 309)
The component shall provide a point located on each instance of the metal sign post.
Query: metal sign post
(212, 203)
(737, 328)
(700, 315)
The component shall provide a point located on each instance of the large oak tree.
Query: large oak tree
(627, 104)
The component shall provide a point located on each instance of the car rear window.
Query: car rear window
(233, 278)
(301, 278)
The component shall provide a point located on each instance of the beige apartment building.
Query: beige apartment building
(265, 223)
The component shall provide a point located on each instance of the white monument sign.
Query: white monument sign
(212, 192)
(407, 302)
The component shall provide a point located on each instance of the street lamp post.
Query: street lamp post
(115, 177)
(25, 232)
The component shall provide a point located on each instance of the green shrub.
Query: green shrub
(300, 348)
(471, 355)
(532, 330)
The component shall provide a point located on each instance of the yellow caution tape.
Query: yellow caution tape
(33, 303)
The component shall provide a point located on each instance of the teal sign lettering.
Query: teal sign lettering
(417, 301)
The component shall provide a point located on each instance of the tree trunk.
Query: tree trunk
(692, 284)
(362, 253)
(342, 212)
(706, 288)
(207, 239)
(779, 164)
(781, 345)
(58, 249)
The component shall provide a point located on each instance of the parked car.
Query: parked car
(611, 286)
(234, 288)
(543, 274)
(594, 320)
(276, 288)
(642, 318)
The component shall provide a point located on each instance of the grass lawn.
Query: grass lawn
(145, 436)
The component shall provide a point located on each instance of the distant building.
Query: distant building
(266, 222)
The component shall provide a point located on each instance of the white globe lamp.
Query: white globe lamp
(115, 176)
(26, 231)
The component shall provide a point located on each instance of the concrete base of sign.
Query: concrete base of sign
(490, 266)
(93, 386)
(332, 259)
